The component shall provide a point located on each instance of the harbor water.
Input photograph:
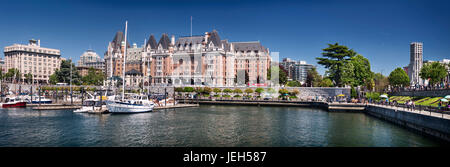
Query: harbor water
(208, 125)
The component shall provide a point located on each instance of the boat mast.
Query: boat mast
(124, 62)
(143, 65)
(111, 84)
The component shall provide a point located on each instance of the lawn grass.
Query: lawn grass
(423, 101)
(430, 102)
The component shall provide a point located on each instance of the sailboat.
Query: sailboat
(134, 103)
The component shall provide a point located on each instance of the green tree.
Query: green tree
(179, 89)
(237, 91)
(63, 73)
(271, 90)
(53, 79)
(259, 91)
(293, 84)
(283, 92)
(28, 78)
(435, 72)
(398, 77)
(207, 90)
(335, 58)
(226, 90)
(13, 75)
(353, 92)
(313, 78)
(94, 77)
(248, 91)
(359, 71)
(381, 82)
(326, 83)
(282, 75)
(217, 90)
(188, 89)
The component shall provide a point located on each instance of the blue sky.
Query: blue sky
(379, 30)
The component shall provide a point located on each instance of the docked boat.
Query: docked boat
(11, 102)
(135, 104)
(91, 105)
(166, 102)
(36, 100)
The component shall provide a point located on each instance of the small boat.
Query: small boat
(136, 104)
(166, 102)
(36, 100)
(11, 102)
(91, 105)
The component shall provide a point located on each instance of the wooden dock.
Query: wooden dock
(176, 106)
(56, 107)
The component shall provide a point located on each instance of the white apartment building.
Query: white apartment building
(32, 58)
(416, 63)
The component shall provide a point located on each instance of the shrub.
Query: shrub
(259, 90)
(207, 90)
(249, 90)
(227, 90)
(236, 96)
(237, 90)
(188, 89)
(216, 95)
(217, 90)
(226, 96)
(179, 89)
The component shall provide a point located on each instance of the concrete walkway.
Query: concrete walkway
(423, 112)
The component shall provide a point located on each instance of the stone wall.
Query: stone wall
(434, 126)
(429, 93)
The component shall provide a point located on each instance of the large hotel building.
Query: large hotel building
(32, 58)
(195, 60)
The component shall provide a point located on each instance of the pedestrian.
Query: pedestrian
(413, 105)
(439, 105)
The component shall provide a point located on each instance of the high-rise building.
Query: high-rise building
(416, 63)
(300, 71)
(34, 59)
(288, 65)
(296, 70)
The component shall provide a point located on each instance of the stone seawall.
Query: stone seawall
(430, 125)
(429, 93)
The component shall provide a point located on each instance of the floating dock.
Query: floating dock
(176, 106)
(55, 107)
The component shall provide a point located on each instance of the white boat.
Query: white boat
(91, 105)
(166, 102)
(12, 101)
(135, 104)
(36, 100)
